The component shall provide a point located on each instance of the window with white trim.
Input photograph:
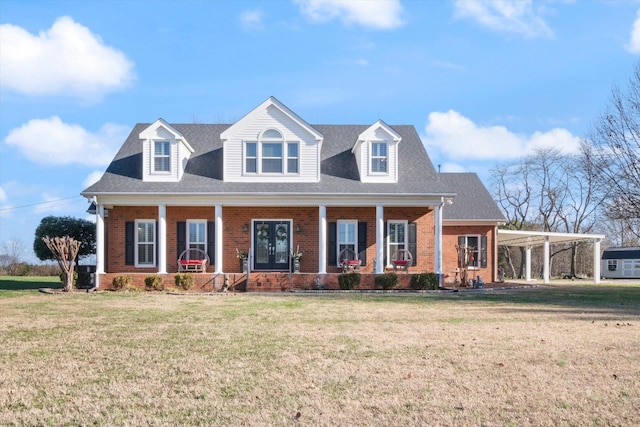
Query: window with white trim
(145, 243)
(469, 251)
(271, 154)
(379, 157)
(396, 237)
(347, 236)
(161, 156)
(197, 234)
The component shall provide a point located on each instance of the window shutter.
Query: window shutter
(129, 243)
(332, 239)
(413, 242)
(181, 230)
(362, 243)
(483, 251)
(211, 241)
(461, 241)
(386, 246)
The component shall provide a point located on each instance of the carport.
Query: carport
(530, 239)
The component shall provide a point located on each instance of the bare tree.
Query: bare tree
(65, 249)
(11, 257)
(614, 149)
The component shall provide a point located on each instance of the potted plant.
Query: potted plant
(295, 256)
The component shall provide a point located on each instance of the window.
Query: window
(612, 264)
(292, 157)
(162, 156)
(396, 237)
(379, 158)
(145, 243)
(271, 155)
(250, 157)
(347, 236)
(468, 250)
(197, 235)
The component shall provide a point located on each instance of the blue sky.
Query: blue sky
(483, 82)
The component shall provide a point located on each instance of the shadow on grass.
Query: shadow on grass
(573, 298)
(26, 283)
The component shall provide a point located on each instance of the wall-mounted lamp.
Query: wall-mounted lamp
(245, 228)
(298, 228)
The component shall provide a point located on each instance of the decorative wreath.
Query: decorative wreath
(263, 232)
(281, 232)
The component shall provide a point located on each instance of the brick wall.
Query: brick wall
(235, 237)
(450, 255)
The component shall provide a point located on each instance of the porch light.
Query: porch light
(245, 228)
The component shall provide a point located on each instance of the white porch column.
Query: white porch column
(100, 241)
(322, 239)
(379, 239)
(162, 239)
(545, 271)
(596, 261)
(527, 263)
(438, 242)
(218, 238)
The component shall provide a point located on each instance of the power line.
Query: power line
(13, 208)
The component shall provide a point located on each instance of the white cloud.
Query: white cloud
(66, 59)
(377, 14)
(634, 43)
(51, 141)
(3, 195)
(515, 16)
(459, 138)
(251, 19)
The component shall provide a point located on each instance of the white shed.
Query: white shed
(621, 263)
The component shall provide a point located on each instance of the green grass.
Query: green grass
(27, 283)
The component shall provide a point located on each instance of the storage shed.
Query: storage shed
(621, 263)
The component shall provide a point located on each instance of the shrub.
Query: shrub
(424, 281)
(386, 281)
(184, 281)
(348, 281)
(154, 283)
(121, 281)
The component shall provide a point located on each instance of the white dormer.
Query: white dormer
(271, 144)
(165, 153)
(376, 152)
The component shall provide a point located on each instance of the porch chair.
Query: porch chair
(193, 260)
(349, 260)
(401, 259)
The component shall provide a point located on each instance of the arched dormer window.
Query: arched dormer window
(271, 154)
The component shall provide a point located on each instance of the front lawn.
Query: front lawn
(558, 355)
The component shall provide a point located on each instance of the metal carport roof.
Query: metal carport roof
(529, 239)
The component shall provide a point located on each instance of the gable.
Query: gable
(376, 153)
(165, 153)
(271, 144)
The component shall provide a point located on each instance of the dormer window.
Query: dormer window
(162, 156)
(271, 154)
(379, 157)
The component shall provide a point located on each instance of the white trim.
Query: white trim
(136, 243)
(405, 244)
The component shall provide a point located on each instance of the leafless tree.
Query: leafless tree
(614, 150)
(65, 250)
(548, 191)
(11, 256)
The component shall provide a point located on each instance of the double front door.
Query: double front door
(271, 243)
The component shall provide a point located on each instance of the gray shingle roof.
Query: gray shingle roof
(339, 173)
(473, 202)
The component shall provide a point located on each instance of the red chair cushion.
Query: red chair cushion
(400, 262)
(353, 262)
(192, 261)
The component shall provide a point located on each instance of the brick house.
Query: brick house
(272, 185)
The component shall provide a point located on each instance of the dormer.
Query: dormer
(376, 152)
(271, 144)
(165, 153)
